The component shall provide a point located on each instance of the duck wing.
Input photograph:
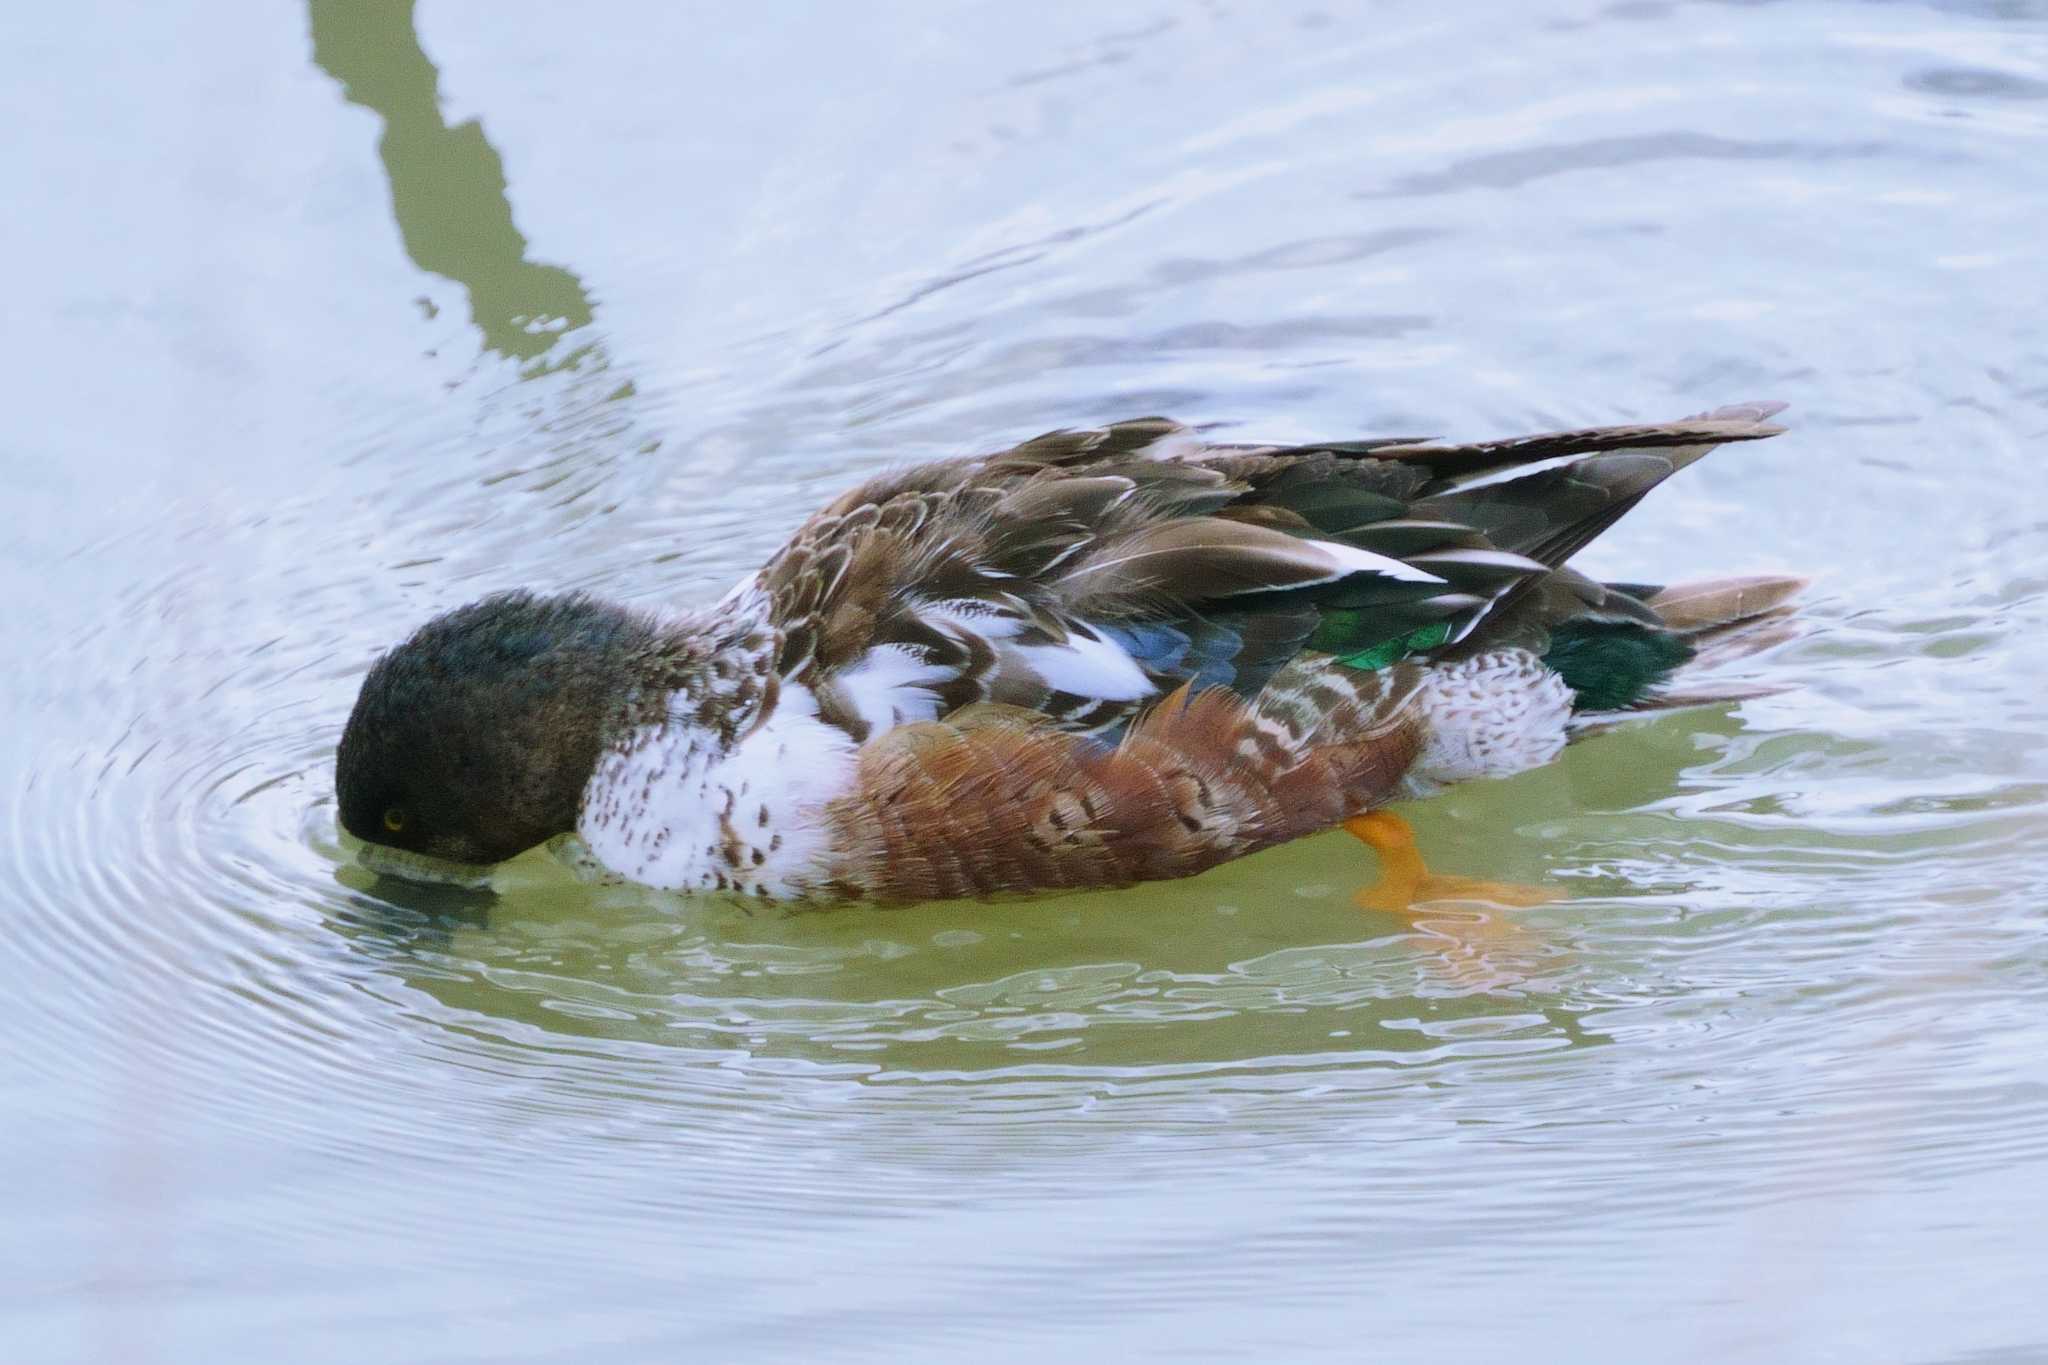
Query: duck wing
(1080, 576)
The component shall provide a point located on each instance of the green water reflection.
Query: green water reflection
(1267, 961)
(448, 189)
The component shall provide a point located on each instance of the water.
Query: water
(328, 321)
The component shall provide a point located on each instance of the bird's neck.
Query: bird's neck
(712, 671)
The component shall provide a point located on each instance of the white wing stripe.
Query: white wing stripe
(891, 687)
(1087, 666)
(1355, 560)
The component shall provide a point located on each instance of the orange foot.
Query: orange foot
(1406, 886)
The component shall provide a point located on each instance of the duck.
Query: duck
(1101, 657)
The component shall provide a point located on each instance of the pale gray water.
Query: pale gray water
(1771, 1083)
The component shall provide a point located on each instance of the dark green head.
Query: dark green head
(473, 740)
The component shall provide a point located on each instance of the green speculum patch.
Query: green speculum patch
(1337, 635)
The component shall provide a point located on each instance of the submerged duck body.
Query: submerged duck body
(1098, 658)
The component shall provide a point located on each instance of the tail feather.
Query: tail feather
(1716, 604)
(1728, 619)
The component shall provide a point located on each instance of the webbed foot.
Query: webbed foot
(1407, 886)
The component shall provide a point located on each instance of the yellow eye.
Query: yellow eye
(394, 819)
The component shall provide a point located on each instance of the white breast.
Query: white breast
(674, 808)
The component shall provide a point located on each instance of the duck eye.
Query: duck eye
(394, 819)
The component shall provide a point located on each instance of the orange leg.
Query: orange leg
(1406, 885)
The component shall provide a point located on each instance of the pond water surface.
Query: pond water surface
(328, 318)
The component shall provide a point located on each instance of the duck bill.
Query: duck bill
(422, 868)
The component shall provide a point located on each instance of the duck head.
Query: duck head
(472, 741)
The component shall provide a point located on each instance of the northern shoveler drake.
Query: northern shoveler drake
(1098, 658)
